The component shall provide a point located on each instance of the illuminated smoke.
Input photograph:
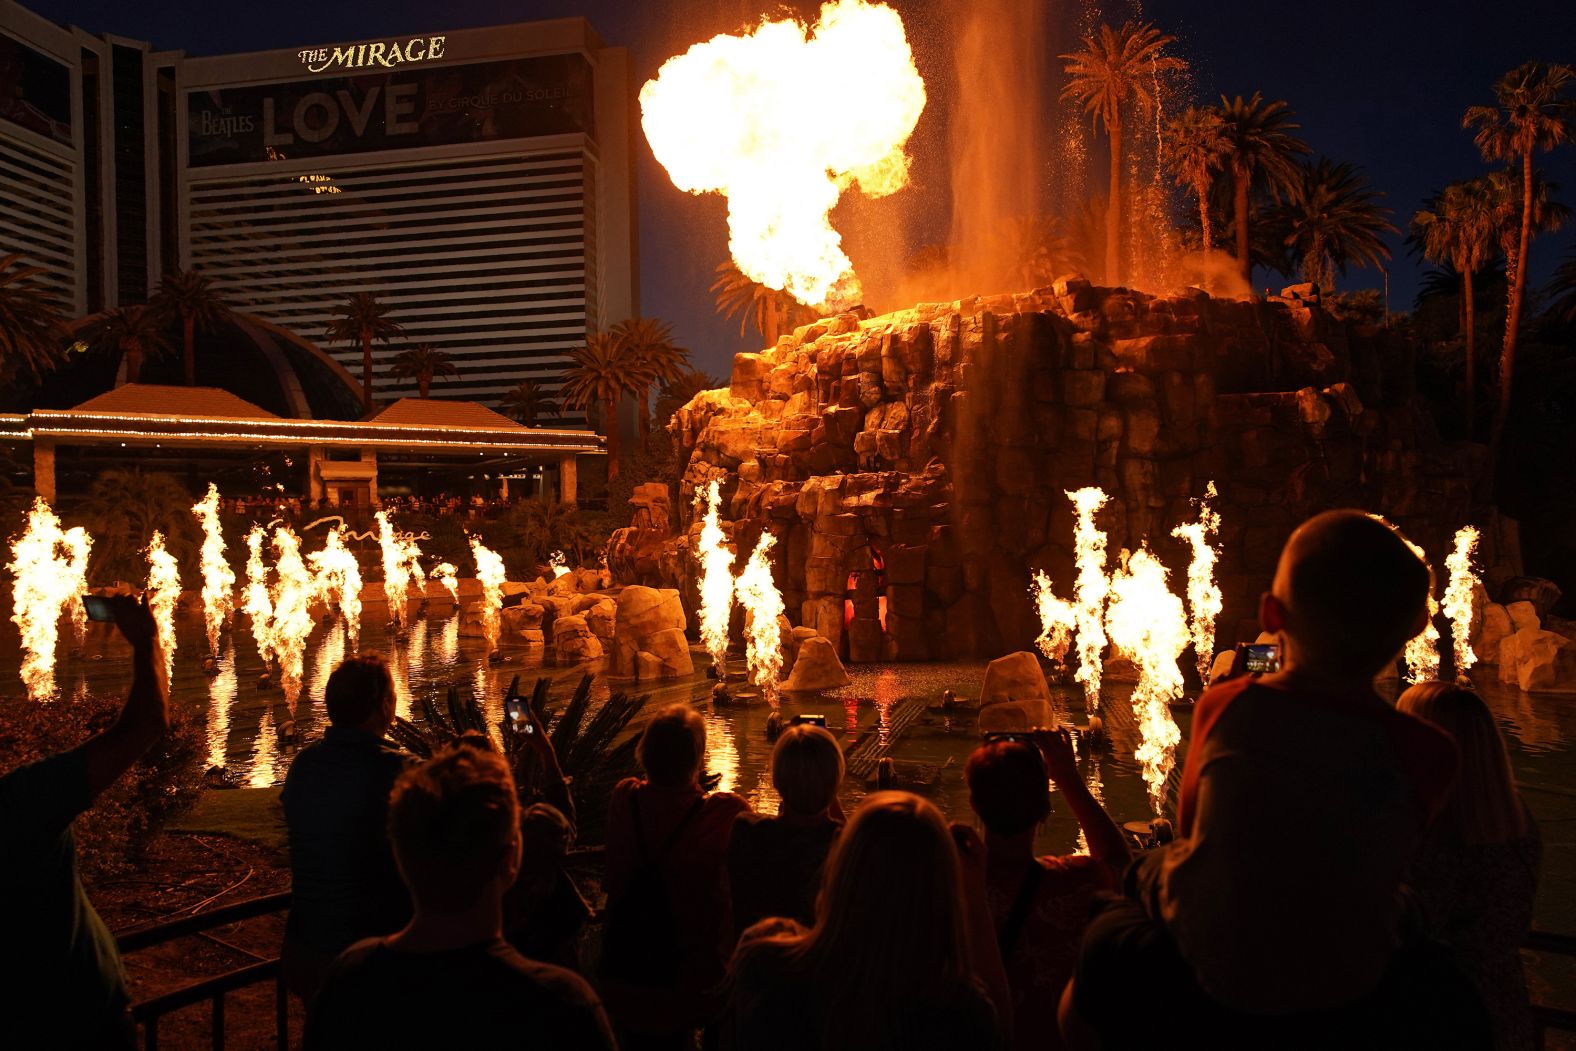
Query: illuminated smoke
(491, 574)
(446, 574)
(558, 564)
(48, 565)
(1422, 650)
(292, 611)
(163, 591)
(763, 607)
(218, 579)
(1203, 594)
(716, 583)
(336, 580)
(1057, 618)
(1146, 622)
(781, 120)
(258, 601)
(1089, 592)
(1459, 594)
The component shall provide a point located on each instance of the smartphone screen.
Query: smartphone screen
(812, 720)
(1261, 658)
(98, 608)
(519, 722)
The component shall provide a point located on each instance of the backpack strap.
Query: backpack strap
(673, 837)
(1018, 915)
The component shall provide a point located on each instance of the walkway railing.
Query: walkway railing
(148, 1012)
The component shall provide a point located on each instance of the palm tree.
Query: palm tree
(423, 363)
(603, 374)
(1034, 250)
(189, 295)
(1263, 157)
(1331, 219)
(1532, 112)
(1198, 150)
(1457, 227)
(32, 330)
(136, 332)
(362, 319)
(123, 508)
(529, 400)
(676, 393)
(771, 310)
(1562, 289)
(650, 343)
(1115, 67)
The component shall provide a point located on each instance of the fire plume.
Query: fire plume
(292, 611)
(1422, 650)
(1146, 622)
(490, 571)
(1057, 618)
(163, 591)
(558, 564)
(218, 579)
(396, 569)
(258, 601)
(1090, 591)
(1459, 594)
(781, 120)
(446, 574)
(716, 583)
(763, 610)
(336, 579)
(1203, 594)
(48, 565)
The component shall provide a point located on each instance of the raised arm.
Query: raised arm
(145, 717)
(984, 950)
(1106, 842)
(555, 787)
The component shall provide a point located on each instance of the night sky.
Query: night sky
(1382, 84)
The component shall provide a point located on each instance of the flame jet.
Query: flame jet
(49, 569)
(490, 571)
(164, 591)
(218, 579)
(1146, 622)
(291, 624)
(1057, 618)
(336, 578)
(1422, 650)
(1203, 594)
(781, 120)
(446, 574)
(716, 583)
(258, 602)
(1459, 596)
(1090, 592)
(763, 609)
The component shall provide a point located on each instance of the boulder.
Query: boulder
(1536, 660)
(1495, 629)
(602, 619)
(1543, 594)
(534, 645)
(1523, 615)
(1015, 696)
(524, 617)
(816, 668)
(573, 642)
(672, 653)
(642, 614)
(513, 587)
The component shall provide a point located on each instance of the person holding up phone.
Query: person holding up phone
(66, 976)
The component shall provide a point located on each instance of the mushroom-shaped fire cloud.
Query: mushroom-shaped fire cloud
(781, 120)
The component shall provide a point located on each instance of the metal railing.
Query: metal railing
(148, 1012)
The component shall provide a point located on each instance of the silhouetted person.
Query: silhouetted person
(544, 912)
(448, 979)
(1277, 918)
(774, 863)
(668, 930)
(344, 884)
(900, 957)
(64, 983)
(1041, 905)
(1477, 875)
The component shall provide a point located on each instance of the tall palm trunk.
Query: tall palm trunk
(132, 351)
(366, 370)
(610, 425)
(1239, 179)
(1202, 189)
(1518, 284)
(645, 420)
(423, 384)
(1468, 378)
(1113, 207)
(189, 334)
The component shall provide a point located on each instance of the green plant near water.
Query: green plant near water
(594, 750)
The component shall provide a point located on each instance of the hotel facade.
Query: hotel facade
(479, 182)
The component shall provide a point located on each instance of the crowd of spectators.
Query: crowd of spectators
(1346, 872)
(294, 507)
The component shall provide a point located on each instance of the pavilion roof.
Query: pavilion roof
(150, 399)
(436, 412)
